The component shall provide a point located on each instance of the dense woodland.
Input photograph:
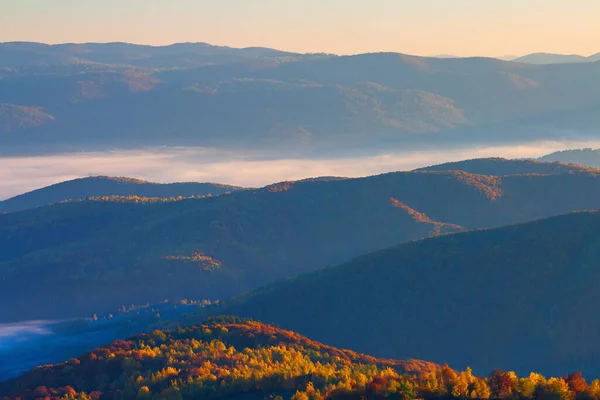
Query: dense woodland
(522, 297)
(93, 248)
(482, 290)
(228, 357)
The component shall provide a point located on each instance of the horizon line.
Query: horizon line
(438, 55)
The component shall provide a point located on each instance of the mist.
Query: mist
(12, 334)
(250, 169)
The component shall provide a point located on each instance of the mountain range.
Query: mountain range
(78, 258)
(273, 100)
(440, 264)
(180, 55)
(489, 264)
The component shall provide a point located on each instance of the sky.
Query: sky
(422, 27)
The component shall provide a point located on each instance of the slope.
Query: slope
(229, 357)
(76, 259)
(502, 166)
(13, 118)
(222, 358)
(101, 186)
(522, 297)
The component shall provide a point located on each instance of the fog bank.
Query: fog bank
(250, 169)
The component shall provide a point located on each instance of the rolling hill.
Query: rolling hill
(79, 258)
(225, 357)
(268, 99)
(522, 297)
(103, 186)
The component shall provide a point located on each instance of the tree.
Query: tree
(529, 385)
(502, 384)
(481, 390)
(460, 386)
(555, 389)
(594, 390)
(577, 383)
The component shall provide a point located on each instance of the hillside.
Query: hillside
(234, 358)
(223, 357)
(202, 95)
(80, 258)
(589, 157)
(105, 186)
(522, 297)
(502, 167)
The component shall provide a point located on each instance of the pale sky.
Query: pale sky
(422, 27)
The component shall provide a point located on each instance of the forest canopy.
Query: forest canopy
(229, 356)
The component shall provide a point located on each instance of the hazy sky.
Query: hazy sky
(423, 27)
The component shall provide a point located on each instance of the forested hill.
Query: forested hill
(229, 358)
(503, 166)
(80, 258)
(223, 357)
(105, 186)
(522, 297)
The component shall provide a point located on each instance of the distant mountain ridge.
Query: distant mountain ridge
(216, 247)
(589, 157)
(202, 95)
(31, 54)
(100, 186)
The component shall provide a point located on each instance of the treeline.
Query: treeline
(145, 200)
(226, 357)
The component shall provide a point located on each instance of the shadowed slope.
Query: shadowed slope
(522, 297)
